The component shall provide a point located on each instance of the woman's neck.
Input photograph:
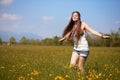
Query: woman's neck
(75, 25)
(75, 22)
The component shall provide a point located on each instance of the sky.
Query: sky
(48, 18)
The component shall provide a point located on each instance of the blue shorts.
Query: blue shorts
(81, 53)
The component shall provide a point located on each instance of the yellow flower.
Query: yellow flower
(59, 78)
(99, 74)
(35, 73)
(78, 73)
(90, 79)
(50, 75)
(110, 75)
(28, 74)
(106, 66)
(67, 76)
(107, 79)
(23, 65)
(2, 67)
(70, 66)
(21, 78)
(31, 78)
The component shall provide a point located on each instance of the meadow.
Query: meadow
(20, 62)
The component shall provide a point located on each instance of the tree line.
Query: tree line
(92, 40)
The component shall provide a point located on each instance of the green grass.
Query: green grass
(18, 62)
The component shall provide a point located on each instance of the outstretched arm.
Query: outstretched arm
(95, 32)
(65, 37)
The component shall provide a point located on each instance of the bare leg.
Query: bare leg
(81, 63)
(74, 59)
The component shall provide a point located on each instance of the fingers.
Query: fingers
(62, 39)
(106, 37)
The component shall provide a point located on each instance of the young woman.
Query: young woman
(76, 30)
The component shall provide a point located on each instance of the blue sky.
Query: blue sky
(48, 18)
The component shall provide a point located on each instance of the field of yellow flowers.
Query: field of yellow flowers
(18, 62)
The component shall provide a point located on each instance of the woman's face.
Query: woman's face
(75, 17)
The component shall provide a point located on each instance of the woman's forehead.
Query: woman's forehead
(75, 14)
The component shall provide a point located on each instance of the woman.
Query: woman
(76, 30)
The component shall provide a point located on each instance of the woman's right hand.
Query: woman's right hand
(62, 39)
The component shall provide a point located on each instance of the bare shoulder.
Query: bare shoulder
(84, 24)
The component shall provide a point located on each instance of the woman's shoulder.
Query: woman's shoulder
(84, 23)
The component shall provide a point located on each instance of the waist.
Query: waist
(81, 47)
(83, 51)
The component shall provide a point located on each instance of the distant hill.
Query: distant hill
(6, 35)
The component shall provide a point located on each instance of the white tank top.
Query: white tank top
(82, 44)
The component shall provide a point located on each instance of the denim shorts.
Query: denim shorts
(81, 53)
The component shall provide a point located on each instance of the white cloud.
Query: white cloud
(9, 22)
(47, 18)
(6, 2)
(6, 16)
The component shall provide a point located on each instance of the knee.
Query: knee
(81, 68)
(72, 65)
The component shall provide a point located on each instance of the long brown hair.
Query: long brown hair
(70, 25)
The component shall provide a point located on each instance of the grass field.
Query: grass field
(52, 63)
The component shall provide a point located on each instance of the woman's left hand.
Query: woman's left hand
(106, 37)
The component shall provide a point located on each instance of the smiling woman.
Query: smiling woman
(76, 30)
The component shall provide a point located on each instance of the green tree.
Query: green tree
(12, 40)
(115, 41)
(119, 32)
(55, 41)
(1, 41)
(23, 40)
(33, 41)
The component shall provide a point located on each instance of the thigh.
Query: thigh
(74, 58)
(82, 60)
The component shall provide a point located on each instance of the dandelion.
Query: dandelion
(83, 78)
(31, 78)
(2, 67)
(99, 74)
(110, 75)
(78, 73)
(21, 78)
(70, 66)
(90, 79)
(67, 76)
(35, 73)
(23, 65)
(106, 66)
(28, 74)
(59, 78)
(50, 75)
